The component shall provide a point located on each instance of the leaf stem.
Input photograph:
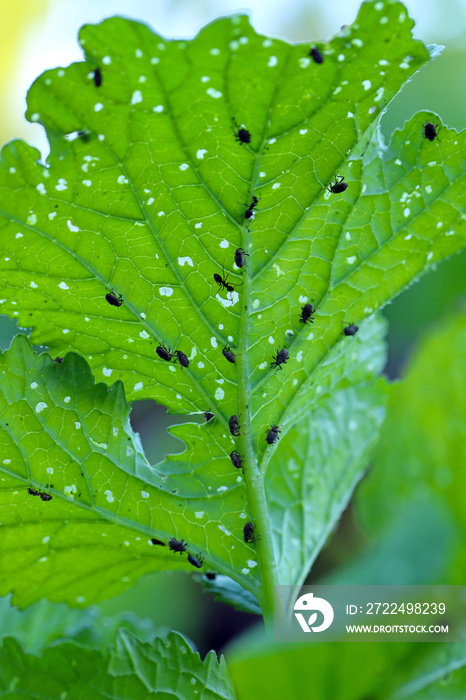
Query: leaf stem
(254, 480)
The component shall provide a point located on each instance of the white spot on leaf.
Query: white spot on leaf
(136, 97)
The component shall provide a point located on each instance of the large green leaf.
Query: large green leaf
(130, 669)
(315, 671)
(163, 208)
(376, 670)
(63, 434)
(149, 201)
(393, 559)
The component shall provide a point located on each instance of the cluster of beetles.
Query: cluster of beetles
(243, 136)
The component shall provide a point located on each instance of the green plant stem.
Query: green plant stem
(253, 478)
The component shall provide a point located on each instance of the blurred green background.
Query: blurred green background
(41, 34)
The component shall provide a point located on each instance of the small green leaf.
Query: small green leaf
(40, 624)
(442, 676)
(130, 669)
(225, 590)
(169, 664)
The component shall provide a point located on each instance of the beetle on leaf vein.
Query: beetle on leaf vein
(248, 533)
(163, 353)
(114, 300)
(177, 545)
(197, 560)
(337, 186)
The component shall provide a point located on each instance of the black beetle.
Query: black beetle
(58, 360)
(272, 434)
(240, 257)
(113, 300)
(307, 312)
(280, 358)
(248, 533)
(182, 359)
(228, 355)
(234, 427)
(177, 545)
(316, 55)
(97, 77)
(196, 561)
(163, 353)
(351, 329)
(430, 131)
(338, 185)
(236, 459)
(243, 136)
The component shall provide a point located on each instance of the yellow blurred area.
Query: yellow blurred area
(17, 17)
